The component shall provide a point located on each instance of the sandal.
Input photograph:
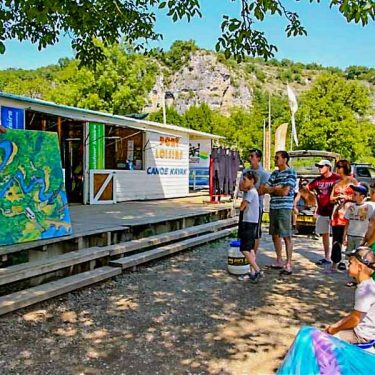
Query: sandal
(322, 261)
(341, 266)
(273, 267)
(286, 272)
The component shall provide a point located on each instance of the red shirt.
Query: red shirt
(323, 187)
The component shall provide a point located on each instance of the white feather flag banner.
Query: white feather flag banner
(293, 105)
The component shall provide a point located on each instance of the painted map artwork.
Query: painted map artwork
(316, 352)
(33, 202)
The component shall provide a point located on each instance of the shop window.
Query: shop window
(123, 148)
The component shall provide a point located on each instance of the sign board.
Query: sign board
(199, 163)
(96, 145)
(12, 118)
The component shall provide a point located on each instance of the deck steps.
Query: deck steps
(126, 247)
(43, 292)
(146, 256)
(184, 239)
(31, 269)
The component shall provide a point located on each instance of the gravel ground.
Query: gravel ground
(181, 315)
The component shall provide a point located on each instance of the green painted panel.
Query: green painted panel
(96, 145)
(33, 201)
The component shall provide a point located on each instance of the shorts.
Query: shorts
(281, 222)
(349, 335)
(353, 242)
(247, 235)
(322, 224)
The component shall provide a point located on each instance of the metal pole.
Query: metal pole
(163, 100)
(269, 129)
(264, 140)
(291, 137)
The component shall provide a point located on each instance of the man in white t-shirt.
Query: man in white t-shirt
(359, 325)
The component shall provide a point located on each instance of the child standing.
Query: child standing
(247, 226)
(359, 325)
(358, 215)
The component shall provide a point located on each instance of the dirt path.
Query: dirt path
(182, 315)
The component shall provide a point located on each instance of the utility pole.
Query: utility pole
(163, 100)
(269, 129)
(264, 142)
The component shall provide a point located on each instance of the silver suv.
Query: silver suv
(364, 173)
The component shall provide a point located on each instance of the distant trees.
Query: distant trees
(333, 113)
(332, 117)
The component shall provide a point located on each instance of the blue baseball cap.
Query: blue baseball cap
(362, 189)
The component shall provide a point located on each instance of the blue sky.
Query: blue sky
(331, 41)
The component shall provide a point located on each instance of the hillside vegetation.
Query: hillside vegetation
(207, 92)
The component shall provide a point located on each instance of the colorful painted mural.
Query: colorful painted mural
(33, 202)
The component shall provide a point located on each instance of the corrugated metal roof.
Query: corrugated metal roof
(81, 113)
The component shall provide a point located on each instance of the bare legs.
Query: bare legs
(278, 249)
(251, 258)
(325, 239)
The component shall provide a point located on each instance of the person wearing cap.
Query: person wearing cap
(341, 196)
(358, 215)
(359, 325)
(322, 187)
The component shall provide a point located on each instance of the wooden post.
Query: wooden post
(59, 129)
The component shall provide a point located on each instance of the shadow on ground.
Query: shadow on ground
(181, 315)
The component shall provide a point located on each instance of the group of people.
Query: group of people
(342, 209)
(280, 185)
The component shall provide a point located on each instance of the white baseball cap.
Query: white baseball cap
(324, 162)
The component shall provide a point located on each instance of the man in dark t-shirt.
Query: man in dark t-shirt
(322, 187)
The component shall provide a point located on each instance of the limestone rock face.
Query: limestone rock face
(202, 80)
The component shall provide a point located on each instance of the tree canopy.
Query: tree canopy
(44, 22)
(333, 117)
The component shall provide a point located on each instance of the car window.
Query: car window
(363, 172)
(305, 165)
(372, 172)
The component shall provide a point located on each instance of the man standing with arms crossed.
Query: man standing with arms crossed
(281, 186)
(255, 158)
(322, 187)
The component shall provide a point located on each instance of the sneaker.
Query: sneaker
(246, 277)
(341, 266)
(322, 262)
(257, 276)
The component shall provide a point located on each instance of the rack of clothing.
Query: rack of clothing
(224, 164)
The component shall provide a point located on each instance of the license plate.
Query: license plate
(306, 219)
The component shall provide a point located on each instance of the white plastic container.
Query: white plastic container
(237, 263)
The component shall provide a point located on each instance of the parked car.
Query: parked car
(364, 173)
(303, 162)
